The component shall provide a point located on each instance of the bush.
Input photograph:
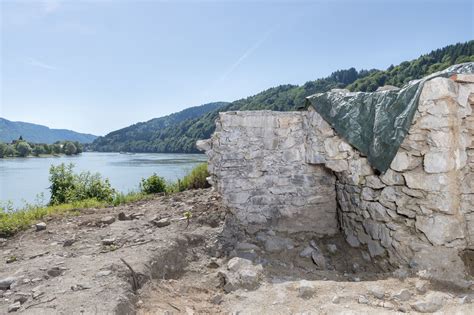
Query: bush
(196, 179)
(67, 187)
(153, 184)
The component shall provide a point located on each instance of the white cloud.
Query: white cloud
(39, 64)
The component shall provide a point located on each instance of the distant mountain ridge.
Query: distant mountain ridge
(181, 136)
(138, 137)
(12, 130)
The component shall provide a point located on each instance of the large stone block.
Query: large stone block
(428, 182)
(440, 229)
(437, 88)
(404, 161)
(439, 162)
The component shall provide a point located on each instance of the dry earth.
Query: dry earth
(74, 266)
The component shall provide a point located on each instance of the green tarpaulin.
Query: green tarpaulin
(376, 123)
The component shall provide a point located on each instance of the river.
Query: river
(22, 180)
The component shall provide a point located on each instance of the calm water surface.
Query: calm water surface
(23, 179)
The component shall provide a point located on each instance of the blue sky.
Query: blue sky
(96, 66)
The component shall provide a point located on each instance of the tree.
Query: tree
(23, 148)
(10, 151)
(3, 149)
(38, 149)
(69, 148)
(47, 148)
(56, 148)
(78, 147)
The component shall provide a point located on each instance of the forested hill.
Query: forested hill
(436, 60)
(144, 136)
(12, 130)
(181, 137)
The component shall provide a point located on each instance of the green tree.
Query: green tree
(38, 149)
(79, 147)
(10, 151)
(69, 148)
(47, 148)
(3, 149)
(23, 148)
(56, 148)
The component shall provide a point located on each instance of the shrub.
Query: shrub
(196, 179)
(62, 183)
(153, 184)
(67, 187)
(92, 186)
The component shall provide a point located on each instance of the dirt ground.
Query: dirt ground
(78, 265)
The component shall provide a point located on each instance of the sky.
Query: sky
(97, 66)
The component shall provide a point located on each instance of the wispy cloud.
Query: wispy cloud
(40, 64)
(50, 6)
(246, 54)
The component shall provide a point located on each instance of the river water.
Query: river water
(22, 180)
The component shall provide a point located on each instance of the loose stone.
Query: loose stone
(107, 220)
(40, 226)
(108, 241)
(14, 307)
(161, 222)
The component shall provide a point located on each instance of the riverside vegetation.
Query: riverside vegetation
(22, 148)
(71, 191)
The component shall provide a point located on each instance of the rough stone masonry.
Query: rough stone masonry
(290, 172)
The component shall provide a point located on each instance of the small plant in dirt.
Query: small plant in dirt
(11, 259)
(153, 184)
(188, 215)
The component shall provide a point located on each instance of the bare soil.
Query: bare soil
(78, 265)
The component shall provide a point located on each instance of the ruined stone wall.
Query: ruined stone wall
(272, 170)
(257, 160)
(421, 209)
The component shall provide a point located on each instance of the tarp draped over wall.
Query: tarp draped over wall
(376, 123)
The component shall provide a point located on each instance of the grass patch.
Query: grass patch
(196, 179)
(13, 221)
(121, 198)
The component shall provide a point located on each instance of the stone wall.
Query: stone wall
(421, 209)
(273, 171)
(257, 162)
